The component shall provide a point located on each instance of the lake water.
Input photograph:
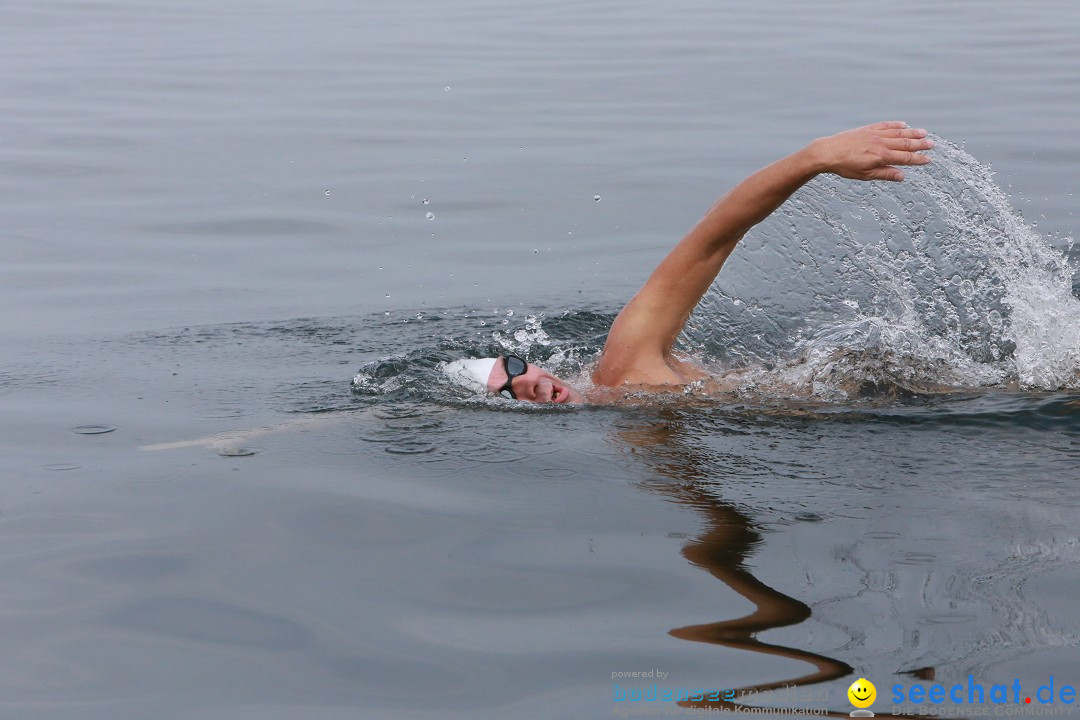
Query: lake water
(240, 238)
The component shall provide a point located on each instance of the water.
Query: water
(216, 217)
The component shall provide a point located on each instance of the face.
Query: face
(862, 693)
(536, 385)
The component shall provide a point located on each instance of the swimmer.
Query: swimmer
(638, 353)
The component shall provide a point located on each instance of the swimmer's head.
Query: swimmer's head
(510, 376)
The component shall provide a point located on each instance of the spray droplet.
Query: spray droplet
(536, 251)
(425, 201)
(446, 89)
(327, 192)
(431, 216)
(596, 198)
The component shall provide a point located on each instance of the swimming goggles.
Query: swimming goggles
(515, 367)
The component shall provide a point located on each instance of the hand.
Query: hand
(869, 153)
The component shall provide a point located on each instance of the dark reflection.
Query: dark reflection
(684, 467)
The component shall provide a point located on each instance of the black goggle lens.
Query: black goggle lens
(515, 367)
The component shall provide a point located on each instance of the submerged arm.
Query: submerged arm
(639, 344)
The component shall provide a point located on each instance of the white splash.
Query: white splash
(934, 282)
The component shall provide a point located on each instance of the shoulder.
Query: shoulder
(644, 370)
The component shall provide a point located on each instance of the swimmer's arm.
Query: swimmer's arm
(646, 329)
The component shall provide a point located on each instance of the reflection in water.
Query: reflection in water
(722, 550)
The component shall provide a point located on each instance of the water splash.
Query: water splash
(859, 287)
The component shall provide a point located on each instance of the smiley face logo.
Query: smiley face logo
(862, 693)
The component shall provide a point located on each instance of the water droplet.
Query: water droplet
(596, 198)
(446, 89)
(387, 294)
(536, 251)
(425, 201)
(431, 216)
(509, 313)
(327, 192)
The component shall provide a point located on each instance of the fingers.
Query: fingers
(887, 125)
(910, 144)
(904, 132)
(901, 157)
(887, 173)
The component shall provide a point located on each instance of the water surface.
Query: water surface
(216, 217)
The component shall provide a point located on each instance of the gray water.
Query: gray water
(245, 236)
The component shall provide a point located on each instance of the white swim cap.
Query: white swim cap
(472, 373)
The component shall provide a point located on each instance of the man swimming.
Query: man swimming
(638, 353)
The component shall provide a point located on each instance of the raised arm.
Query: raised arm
(638, 349)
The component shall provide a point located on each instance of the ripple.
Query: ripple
(213, 622)
(557, 473)
(92, 429)
(809, 517)
(410, 448)
(237, 452)
(883, 535)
